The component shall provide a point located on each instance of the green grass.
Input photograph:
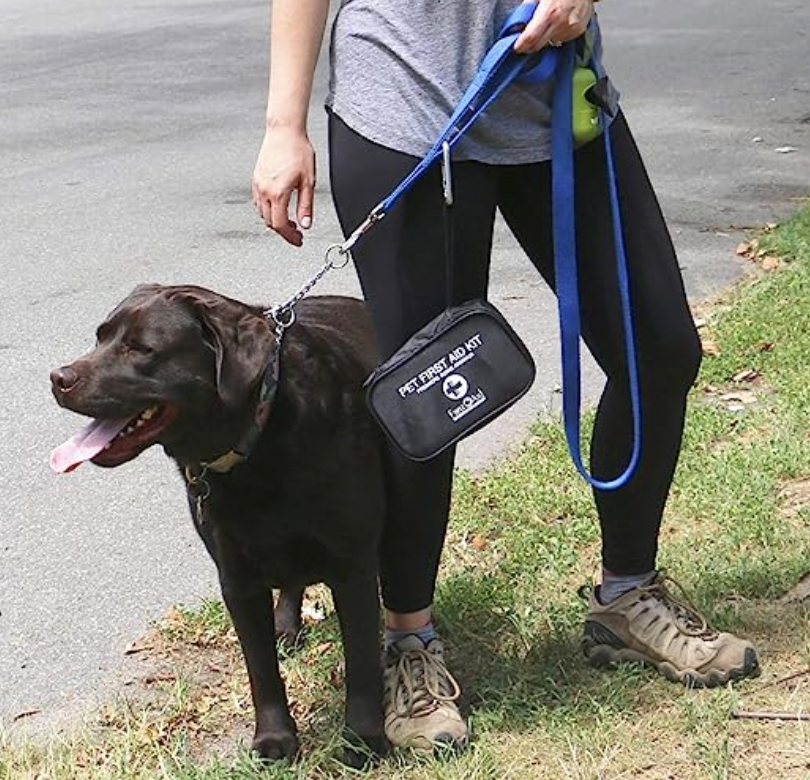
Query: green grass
(523, 538)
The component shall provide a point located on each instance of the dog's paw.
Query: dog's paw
(287, 617)
(276, 745)
(364, 752)
(289, 640)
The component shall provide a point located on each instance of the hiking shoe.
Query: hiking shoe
(420, 697)
(650, 625)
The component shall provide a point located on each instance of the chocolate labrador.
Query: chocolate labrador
(282, 463)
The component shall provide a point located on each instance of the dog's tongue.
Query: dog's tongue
(86, 444)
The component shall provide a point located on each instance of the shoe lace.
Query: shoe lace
(690, 620)
(422, 683)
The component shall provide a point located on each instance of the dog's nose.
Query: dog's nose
(64, 379)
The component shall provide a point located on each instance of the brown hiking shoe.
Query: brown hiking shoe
(420, 697)
(652, 626)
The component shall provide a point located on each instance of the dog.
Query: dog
(208, 377)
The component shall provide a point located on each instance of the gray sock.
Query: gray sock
(615, 585)
(425, 633)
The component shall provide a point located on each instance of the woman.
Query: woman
(397, 71)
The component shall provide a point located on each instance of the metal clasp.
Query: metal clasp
(447, 175)
(372, 219)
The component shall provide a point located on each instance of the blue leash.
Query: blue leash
(565, 270)
(500, 67)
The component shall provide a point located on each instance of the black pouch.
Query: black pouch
(449, 379)
(455, 374)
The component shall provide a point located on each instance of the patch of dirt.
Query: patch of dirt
(794, 498)
(194, 682)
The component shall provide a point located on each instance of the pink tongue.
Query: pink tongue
(87, 443)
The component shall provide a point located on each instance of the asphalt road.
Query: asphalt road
(127, 137)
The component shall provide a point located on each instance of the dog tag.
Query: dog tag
(200, 517)
(199, 490)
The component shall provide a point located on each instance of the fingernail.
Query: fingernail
(306, 222)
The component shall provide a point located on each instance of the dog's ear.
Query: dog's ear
(242, 341)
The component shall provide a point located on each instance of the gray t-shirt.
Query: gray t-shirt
(399, 67)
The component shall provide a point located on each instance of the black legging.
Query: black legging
(401, 267)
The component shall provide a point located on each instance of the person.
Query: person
(397, 70)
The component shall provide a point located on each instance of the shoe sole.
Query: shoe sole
(602, 656)
(441, 745)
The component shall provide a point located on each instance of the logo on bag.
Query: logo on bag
(470, 402)
(443, 370)
(455, 386)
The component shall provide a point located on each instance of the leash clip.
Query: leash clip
(376, 214)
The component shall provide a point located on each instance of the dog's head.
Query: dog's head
(174, 365)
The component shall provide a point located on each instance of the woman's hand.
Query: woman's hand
(554, 22)
(286, 165)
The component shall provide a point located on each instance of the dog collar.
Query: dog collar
(267, 392)
(197, 485)
(241, 452)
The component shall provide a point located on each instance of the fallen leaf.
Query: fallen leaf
(765, 346)
(748, 375)
(770, 263)
(785, 149)
(710, 348)
(336, 678)
(478, 542)
(746, 248)
(322, 648)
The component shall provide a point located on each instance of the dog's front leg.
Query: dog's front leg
(358, 607)
(252, 614)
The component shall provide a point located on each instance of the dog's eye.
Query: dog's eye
(139, 347)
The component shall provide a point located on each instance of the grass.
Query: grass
(523, 538)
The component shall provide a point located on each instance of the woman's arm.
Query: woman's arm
(286, 161)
